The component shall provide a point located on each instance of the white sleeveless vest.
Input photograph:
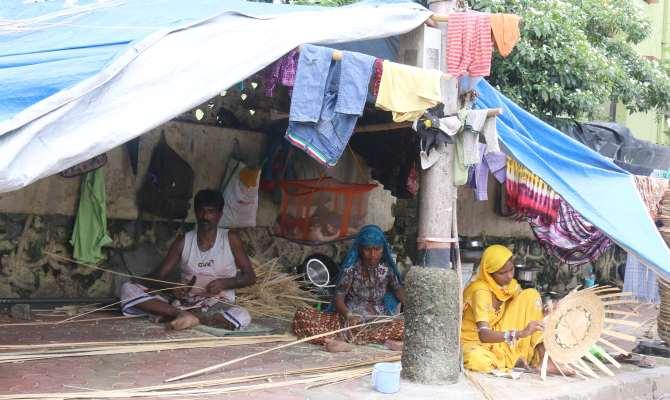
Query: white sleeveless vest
(206, 266)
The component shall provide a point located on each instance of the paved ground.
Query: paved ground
(132, 370)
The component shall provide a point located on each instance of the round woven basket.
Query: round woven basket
(574, 326)
(664, 310)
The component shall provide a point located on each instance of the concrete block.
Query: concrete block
(431, 351)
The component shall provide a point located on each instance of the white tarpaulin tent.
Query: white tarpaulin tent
(78, 81)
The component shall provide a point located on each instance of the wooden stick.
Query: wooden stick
(620, 335)
(598, 363)
(306, 339)
(612, 346)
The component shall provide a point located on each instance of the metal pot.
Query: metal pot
(527, 274)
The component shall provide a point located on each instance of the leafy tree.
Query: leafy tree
(575, 55)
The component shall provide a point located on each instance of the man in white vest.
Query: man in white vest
(213, 261)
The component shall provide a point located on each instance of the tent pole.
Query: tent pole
(431, 351)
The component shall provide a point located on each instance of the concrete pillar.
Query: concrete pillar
(432, 318)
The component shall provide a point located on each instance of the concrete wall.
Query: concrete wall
(206, 149)
(478, 218)
(651, 126)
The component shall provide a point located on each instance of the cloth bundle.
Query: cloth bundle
(281, 71)
(530, 196)
(652, 191)
(571, 238)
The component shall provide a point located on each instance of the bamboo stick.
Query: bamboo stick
(586, 368)
(619, 335)
(611, 295)
(311, 375)
(306, 339)
(611, 359)
(614, 302)
(70, 322)
(598, 363)
(622, 322)
(478, 385)
(612, 346)
(619, 312)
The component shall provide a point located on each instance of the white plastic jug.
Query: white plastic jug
(386, 377)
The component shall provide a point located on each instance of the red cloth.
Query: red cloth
(469, 44)
(378, 69)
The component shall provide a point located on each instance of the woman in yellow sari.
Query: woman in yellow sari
(502, 324)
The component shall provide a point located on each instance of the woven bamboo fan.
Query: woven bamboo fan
(578, 322)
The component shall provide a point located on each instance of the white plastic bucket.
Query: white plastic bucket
(386, 377)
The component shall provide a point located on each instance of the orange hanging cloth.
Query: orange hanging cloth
(505, 29)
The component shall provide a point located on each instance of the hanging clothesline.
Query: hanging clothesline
(494, 112)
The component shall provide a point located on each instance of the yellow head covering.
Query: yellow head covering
(493, 259)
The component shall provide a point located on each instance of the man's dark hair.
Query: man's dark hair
(208, 198)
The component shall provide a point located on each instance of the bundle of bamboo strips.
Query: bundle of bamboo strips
(310, 377)
(276, 293)
(61, 350)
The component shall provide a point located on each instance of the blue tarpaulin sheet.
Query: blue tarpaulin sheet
(78, 78)
(592, 184)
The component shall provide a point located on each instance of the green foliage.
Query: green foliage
(576, 55)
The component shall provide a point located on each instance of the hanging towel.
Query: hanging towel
(571, 238)
(505, 29)
(469, 44)
(90, 228)
(240, 198)
(640, 280)
(408, 91)
(528, 195)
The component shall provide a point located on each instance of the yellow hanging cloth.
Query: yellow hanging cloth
(408, 91)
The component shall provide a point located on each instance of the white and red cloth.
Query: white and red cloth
(469, 44)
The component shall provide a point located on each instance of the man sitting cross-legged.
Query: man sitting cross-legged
(211, 259)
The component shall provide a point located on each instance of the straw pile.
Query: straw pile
(276, 293)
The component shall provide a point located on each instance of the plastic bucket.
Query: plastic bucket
(386, 377)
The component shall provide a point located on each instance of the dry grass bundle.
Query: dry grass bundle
(276, 293)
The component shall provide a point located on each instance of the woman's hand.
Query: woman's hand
(532, 327)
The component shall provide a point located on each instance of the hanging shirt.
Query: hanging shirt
(90, 228)
(469, 44)
(206, 266)
(408, 91)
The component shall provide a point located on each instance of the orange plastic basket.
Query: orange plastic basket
(322, 210)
